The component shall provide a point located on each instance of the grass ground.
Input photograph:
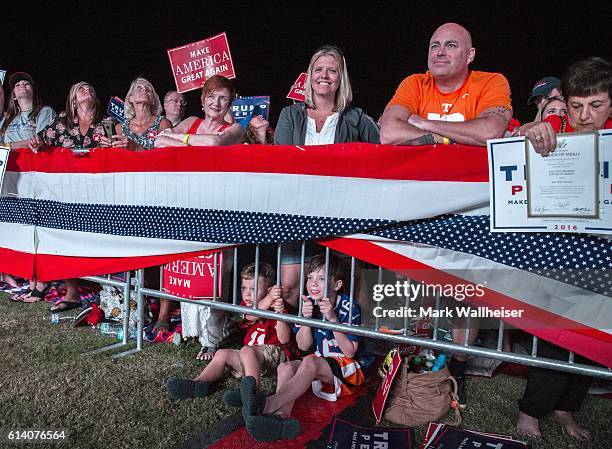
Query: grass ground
(101, 403)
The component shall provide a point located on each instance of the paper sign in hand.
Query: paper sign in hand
(116, 108)
(194, 63)
(243, 108)
(297, 90)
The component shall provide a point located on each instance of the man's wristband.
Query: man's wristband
(186, 139)
(445, 140)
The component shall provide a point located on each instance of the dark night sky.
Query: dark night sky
(108, 44)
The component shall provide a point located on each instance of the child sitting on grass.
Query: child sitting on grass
(336, 368)
(266, 343)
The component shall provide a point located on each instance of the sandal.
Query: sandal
(62, 306)
(18, 293)
(36, 295)
(206, 354)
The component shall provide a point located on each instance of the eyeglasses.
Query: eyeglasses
(177, 100)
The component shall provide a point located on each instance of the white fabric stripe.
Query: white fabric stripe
(348, 370)
(317, 390)
(18, 237)
(589, 308)
(323, 196)
(60, 242)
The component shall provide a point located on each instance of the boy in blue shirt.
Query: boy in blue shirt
(336, 368)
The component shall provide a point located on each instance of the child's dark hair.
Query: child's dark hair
(336, 271)
(266, 271)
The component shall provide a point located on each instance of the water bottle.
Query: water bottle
(112, 330)
(439, 363)
(131, 333)
(56, 318)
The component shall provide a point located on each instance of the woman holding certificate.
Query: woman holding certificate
(588, 88)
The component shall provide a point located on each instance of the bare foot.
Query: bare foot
(206, 354)
(573, 429)
(528, 425)
(8, 279)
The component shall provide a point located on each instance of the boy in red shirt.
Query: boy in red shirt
(266, 343)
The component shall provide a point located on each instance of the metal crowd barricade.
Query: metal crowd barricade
(431, 343)
(125, 312)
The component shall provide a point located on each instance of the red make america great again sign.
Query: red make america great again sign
(194, 63)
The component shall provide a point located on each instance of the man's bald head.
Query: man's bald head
(450, 53)
(456, 29)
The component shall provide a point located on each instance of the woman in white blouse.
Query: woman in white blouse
(326, 116)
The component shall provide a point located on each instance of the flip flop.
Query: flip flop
(7, 287)
(62, 306)
(20, 295)
(36, 295)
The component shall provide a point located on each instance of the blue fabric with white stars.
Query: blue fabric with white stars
(199, 225)
(582, 260)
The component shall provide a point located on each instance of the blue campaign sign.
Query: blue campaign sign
(243, 108)
(115, 109)
(347, 435)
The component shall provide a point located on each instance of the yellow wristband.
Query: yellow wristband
(186, 139)
(445, 140)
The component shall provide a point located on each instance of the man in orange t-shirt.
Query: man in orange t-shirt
(449, 102)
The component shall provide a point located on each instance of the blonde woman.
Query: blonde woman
(79, 126)
(143, 118)
(327, 116)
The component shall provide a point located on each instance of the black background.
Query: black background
(109, 43)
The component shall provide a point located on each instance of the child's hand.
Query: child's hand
(279, 305)
(306, 307)
(327, 310)
(275, 292)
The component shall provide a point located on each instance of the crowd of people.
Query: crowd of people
(450, 103)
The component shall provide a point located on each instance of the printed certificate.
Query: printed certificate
(509, 203)
(565, 183)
